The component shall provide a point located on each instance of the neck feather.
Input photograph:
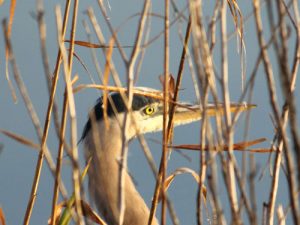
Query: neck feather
(104, 178)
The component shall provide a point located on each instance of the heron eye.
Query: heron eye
(149, 110)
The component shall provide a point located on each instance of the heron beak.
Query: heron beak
(185, 113)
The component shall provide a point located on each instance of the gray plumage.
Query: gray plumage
(104, 168)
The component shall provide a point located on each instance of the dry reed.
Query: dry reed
(218, 166)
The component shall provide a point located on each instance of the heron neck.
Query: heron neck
(104, 179)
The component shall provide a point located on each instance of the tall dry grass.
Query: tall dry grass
(216, 156)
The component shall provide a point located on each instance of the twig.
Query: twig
(125, 139)
(67, 62)
(228, 119)
(164, 158)
(114, 34)
(283, 144)
(45, 59)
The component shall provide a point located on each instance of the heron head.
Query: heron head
(147, 112)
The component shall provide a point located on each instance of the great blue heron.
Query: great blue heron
(104, 145)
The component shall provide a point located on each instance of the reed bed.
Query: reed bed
(225, 171)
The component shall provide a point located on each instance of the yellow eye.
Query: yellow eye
(149, 110)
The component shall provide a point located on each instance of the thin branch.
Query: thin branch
(130, 80)
(67, 62)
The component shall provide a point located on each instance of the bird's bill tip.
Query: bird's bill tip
(214, 109)
(192, 113)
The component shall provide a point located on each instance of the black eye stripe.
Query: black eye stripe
(138, 103)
